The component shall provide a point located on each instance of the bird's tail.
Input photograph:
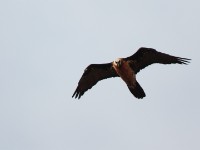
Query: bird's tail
(137, 91)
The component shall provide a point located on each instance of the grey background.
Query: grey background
(46, 45)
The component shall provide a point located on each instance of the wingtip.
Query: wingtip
(74, 94)
(184, 61)
(77, 94)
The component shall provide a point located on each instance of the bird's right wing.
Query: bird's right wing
(92, 74)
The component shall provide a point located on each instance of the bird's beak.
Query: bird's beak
(118, 64)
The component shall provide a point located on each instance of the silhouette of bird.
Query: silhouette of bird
(126, 68)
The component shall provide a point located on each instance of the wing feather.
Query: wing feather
(147, 56)
(92, 74)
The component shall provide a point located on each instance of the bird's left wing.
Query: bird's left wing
(92, 74)
(147, 56)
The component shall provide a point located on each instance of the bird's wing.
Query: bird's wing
(147, 56)
(92, 74)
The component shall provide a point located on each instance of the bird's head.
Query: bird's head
(118, 62)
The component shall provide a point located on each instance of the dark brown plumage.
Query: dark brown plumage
(126, 68)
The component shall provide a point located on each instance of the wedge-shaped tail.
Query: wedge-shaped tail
(137, 91)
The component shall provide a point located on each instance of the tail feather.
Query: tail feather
(137, 91)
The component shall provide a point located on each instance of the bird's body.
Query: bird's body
(126, 68)
(125, 72)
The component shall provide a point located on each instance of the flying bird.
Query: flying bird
(126, 68)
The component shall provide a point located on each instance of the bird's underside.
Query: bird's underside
(126, 68)
(128, 75)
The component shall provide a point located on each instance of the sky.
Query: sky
(45, 47)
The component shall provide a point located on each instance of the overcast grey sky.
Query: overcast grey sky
(46, 45)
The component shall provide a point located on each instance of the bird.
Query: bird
(126, 68)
